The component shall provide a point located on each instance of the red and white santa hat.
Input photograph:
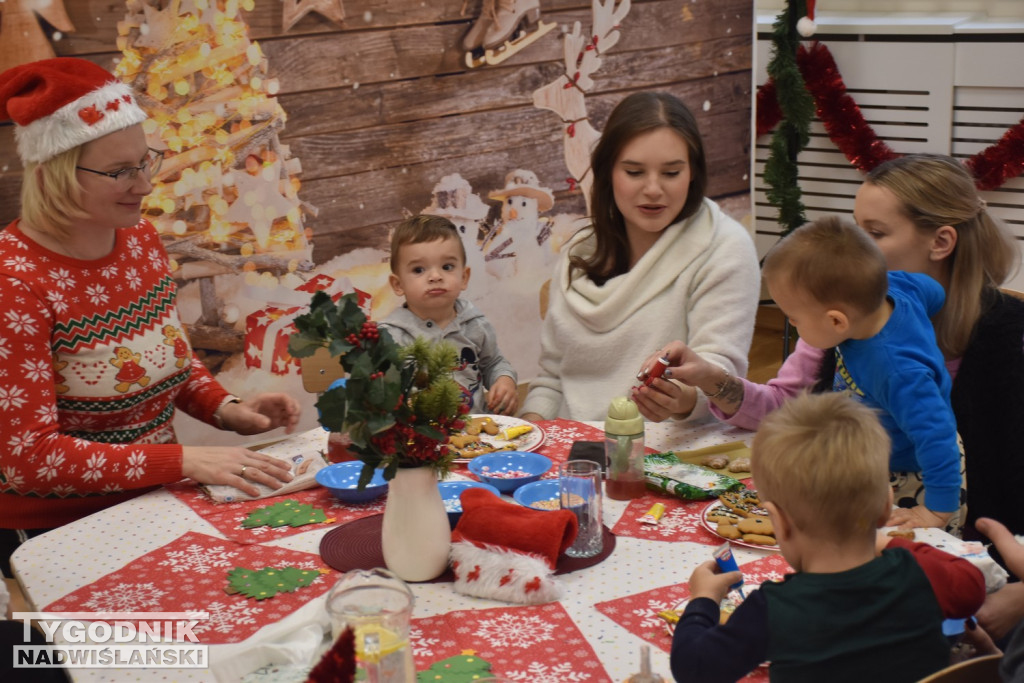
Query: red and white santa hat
(61, 103)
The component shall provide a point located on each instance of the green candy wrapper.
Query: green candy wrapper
(664, 472)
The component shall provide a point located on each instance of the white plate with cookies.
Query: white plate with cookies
(490, 433)
(751, 531)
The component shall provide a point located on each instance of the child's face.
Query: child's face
(816, 323)
(430, 275)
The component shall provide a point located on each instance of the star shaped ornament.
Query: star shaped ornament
(260, 201)
(296, 9)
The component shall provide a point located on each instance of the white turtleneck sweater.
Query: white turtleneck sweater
(699, 283)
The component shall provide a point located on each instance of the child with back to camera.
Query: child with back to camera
(861, 606)
(428, 268)
(830, 280)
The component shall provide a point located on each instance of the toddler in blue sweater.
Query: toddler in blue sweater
(830, 279)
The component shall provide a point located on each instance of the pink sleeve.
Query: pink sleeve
(797, 373)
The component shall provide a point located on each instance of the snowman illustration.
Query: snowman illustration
(453, 198)
(522, 237)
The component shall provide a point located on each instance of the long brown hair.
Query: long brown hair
(635, 115)
(936, 190)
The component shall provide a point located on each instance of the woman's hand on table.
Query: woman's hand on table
(502, 398)
(918, 517)
(707, 581)
(234, 466)
(261, 413)
(1004, 608)
(531, 417)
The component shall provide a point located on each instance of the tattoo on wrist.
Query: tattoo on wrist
(727, 390)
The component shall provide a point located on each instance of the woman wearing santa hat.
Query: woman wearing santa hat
(89, 381)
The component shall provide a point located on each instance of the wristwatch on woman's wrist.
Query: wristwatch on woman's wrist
(218, 420)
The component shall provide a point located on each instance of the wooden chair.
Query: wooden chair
(978, 670)
(1012, 292)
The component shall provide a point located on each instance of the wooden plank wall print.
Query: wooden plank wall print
(386, 120)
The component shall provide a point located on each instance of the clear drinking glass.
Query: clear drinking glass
(377, 606)
(580, 492)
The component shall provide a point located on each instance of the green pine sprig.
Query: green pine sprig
(791, 136)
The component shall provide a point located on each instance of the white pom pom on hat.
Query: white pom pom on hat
(61, 103)
(805, 26)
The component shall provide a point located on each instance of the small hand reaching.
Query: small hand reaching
(502, 398)
(918, 517)
(261, 413)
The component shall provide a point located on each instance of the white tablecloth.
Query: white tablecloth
(57, 563)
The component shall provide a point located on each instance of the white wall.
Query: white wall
(930, 94)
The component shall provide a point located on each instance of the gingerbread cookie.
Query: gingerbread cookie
(485, 424)
(729, 531)
(902, 533)
(756, 525)
(715, 462)
(744, 502)
(759, 539)
(739, 465)
(723, 515)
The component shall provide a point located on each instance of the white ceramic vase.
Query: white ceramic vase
(416, 536)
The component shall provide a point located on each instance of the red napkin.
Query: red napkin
(505, 551)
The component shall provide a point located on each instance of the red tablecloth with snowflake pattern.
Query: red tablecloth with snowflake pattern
(638, 613)
(537, 643)
(681, 521)
(190, 574)
(228, 517)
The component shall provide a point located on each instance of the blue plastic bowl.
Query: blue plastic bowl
(546, 489)
(342, 480)
(450, 492)
(487, 465)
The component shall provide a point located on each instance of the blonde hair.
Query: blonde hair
(824, 459)
(423, 228)
(935, 191)
(832, 261)
(51, 197)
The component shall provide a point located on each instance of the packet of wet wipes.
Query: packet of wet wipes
(691, 482)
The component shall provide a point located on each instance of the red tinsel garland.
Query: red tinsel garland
(855, 138)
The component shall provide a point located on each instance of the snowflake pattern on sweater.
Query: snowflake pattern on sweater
(93, 362)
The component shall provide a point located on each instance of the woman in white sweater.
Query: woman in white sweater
(659, 262)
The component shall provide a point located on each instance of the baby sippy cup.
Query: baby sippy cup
(377, 606)
(624, 448)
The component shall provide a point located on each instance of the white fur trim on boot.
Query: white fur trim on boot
(501, 574)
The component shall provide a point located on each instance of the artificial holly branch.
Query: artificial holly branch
(398, 404)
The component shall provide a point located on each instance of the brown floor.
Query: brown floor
(766, 348)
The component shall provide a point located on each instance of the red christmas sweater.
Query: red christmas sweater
(93, 363)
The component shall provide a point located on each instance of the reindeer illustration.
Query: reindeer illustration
(566, 95)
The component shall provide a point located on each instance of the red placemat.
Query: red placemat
(537, 643)
(228, 517)
(681, 521)
(190, 574)
(357, 545)
(638, 613)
